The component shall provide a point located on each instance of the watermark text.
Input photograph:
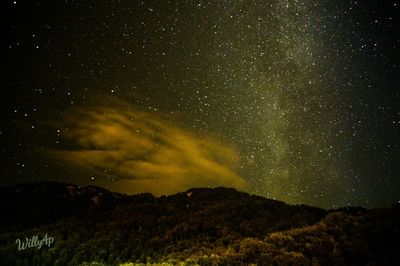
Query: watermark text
(34, 242)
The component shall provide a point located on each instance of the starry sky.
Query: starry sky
(292, 100)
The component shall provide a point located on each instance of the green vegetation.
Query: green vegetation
(201, 227)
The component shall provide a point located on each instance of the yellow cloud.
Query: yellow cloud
(144, 152)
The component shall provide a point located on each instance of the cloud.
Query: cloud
(143, 152)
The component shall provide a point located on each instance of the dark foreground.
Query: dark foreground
(70, 225)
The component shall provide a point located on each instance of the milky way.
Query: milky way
(302, 96)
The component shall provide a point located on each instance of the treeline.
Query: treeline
(201, 226)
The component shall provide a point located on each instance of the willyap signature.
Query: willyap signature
(34, 242)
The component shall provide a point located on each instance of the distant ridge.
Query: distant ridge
(207, 226)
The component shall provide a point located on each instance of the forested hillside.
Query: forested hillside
(219, 226)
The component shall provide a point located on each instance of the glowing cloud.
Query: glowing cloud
(142, 152)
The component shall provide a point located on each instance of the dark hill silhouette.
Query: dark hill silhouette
(219, 226)
(30, 205)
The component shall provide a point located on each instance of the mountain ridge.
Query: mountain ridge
(208, 226)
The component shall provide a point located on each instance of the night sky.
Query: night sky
(293, 100)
